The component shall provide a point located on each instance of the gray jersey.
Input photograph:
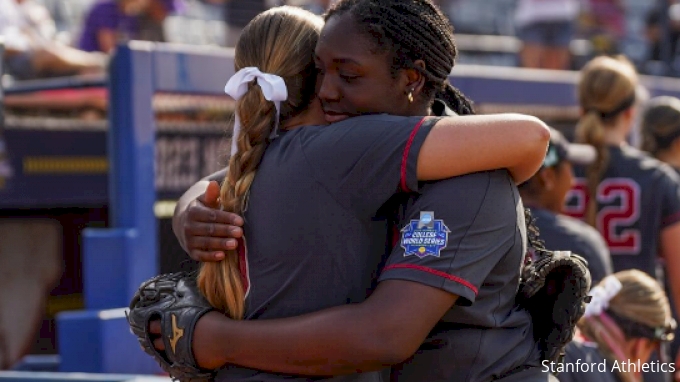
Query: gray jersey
(467, 235)
(313, 241)
(583, 362)
(637, 198)
(564, 233)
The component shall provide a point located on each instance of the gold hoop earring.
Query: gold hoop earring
(410, 96)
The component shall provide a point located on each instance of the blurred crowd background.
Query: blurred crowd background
(562, 35)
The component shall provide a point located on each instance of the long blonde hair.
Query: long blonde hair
(606, 88)
(660, 124)
(280, 41)
(642, 301)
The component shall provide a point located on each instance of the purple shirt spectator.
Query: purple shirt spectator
(107, 15)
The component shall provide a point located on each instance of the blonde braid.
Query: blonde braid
(265, 44)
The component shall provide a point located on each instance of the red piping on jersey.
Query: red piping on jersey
(404, 158)
(243, 264)
(435, 272)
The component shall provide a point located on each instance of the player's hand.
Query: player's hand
(208, 231)
(205, 354)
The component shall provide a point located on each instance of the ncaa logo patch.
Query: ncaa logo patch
(424, 237)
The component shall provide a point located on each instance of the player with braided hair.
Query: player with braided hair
(455, 236)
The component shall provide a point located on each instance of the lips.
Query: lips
(334, 116)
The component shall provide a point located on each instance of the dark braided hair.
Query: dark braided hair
(411, 30)
(414, 30)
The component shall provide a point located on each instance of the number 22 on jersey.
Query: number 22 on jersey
(618, 202)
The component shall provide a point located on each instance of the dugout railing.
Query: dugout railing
(117, 259)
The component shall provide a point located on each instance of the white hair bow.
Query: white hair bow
(273, 88)
(602, 294)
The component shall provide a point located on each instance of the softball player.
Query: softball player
(631, 198)
(628, 317)
(283, 277)
(545, 194)
(417, 288)
(660, 129)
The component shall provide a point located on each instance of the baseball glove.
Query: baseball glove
(175, 300)
(554, 289)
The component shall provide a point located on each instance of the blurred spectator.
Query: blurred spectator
(151, 21)
(318, 7)
(30, 51)
(237, 14)
(110, 22)
(546, 28)
(663, 31)
(605, 25)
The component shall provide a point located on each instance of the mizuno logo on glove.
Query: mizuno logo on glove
(177, 333)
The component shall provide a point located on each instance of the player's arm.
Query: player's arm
(670, 247)
(670, 235)
(463, 145)
(670, 250)
(669, 187)
(382, 331)
(373, 157)
(394, 321)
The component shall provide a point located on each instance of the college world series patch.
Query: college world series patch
(424, 237)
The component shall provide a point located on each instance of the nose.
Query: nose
(328, 91)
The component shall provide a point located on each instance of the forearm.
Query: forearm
(330, 342)
(384, 330)
(670, 247)
(477, 143)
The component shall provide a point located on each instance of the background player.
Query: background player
(625, 322)
(545, 194)
(611, 192)
(660, 128)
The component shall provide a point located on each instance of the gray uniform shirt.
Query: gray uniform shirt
(637, 198)
(467, 236)
(564, 233)
(313, 239)
(598, 370)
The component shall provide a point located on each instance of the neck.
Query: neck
(616, 135)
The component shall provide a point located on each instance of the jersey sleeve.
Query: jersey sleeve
(364, 160)
(670, 187)
(456, 232)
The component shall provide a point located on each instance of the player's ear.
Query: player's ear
(413, 79)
